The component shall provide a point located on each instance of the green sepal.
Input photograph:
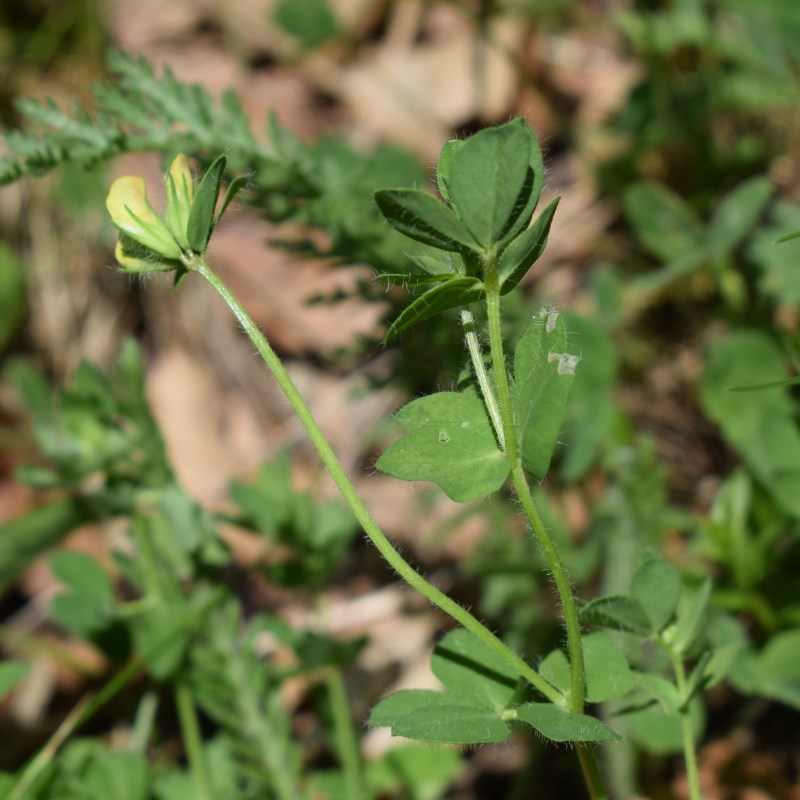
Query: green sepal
(543, 373)
(449, 441)
(559, 725)
(234, 187)
(180, 273)
(420, 216)
(452, 294)
(523, 252)
(201, 217)
(485, 180)
(134, 259)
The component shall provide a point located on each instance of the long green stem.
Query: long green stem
(346, 740)
(479, 368)
(79, 715)
(690, 757)
(91, 704)
(566, 596)
(356, 505)
(556, 567)
(192, 741)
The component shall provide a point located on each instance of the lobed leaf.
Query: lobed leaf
(449, 441)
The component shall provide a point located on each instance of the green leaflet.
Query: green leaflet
(618, 612)
(420, 216)
(543, 372)
(608, 674)
(522, 253)
(485, 177)
(438, 717)
(471, 670)
(761, 425)
(450, 442)
(656, 585)
(561, 726)
(454, 293)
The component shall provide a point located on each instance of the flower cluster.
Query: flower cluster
(149, 242)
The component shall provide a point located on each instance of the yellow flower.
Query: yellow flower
(132, 214)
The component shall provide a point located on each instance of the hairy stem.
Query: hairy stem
(689, 754)
(346, 741)
(556, 567)
(192, 741)
(479, 368)
(566, 596)
(356, 504)
(91, 704)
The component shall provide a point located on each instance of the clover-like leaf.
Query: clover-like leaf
(449, 441)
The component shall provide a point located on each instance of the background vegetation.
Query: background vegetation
(178, 597)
